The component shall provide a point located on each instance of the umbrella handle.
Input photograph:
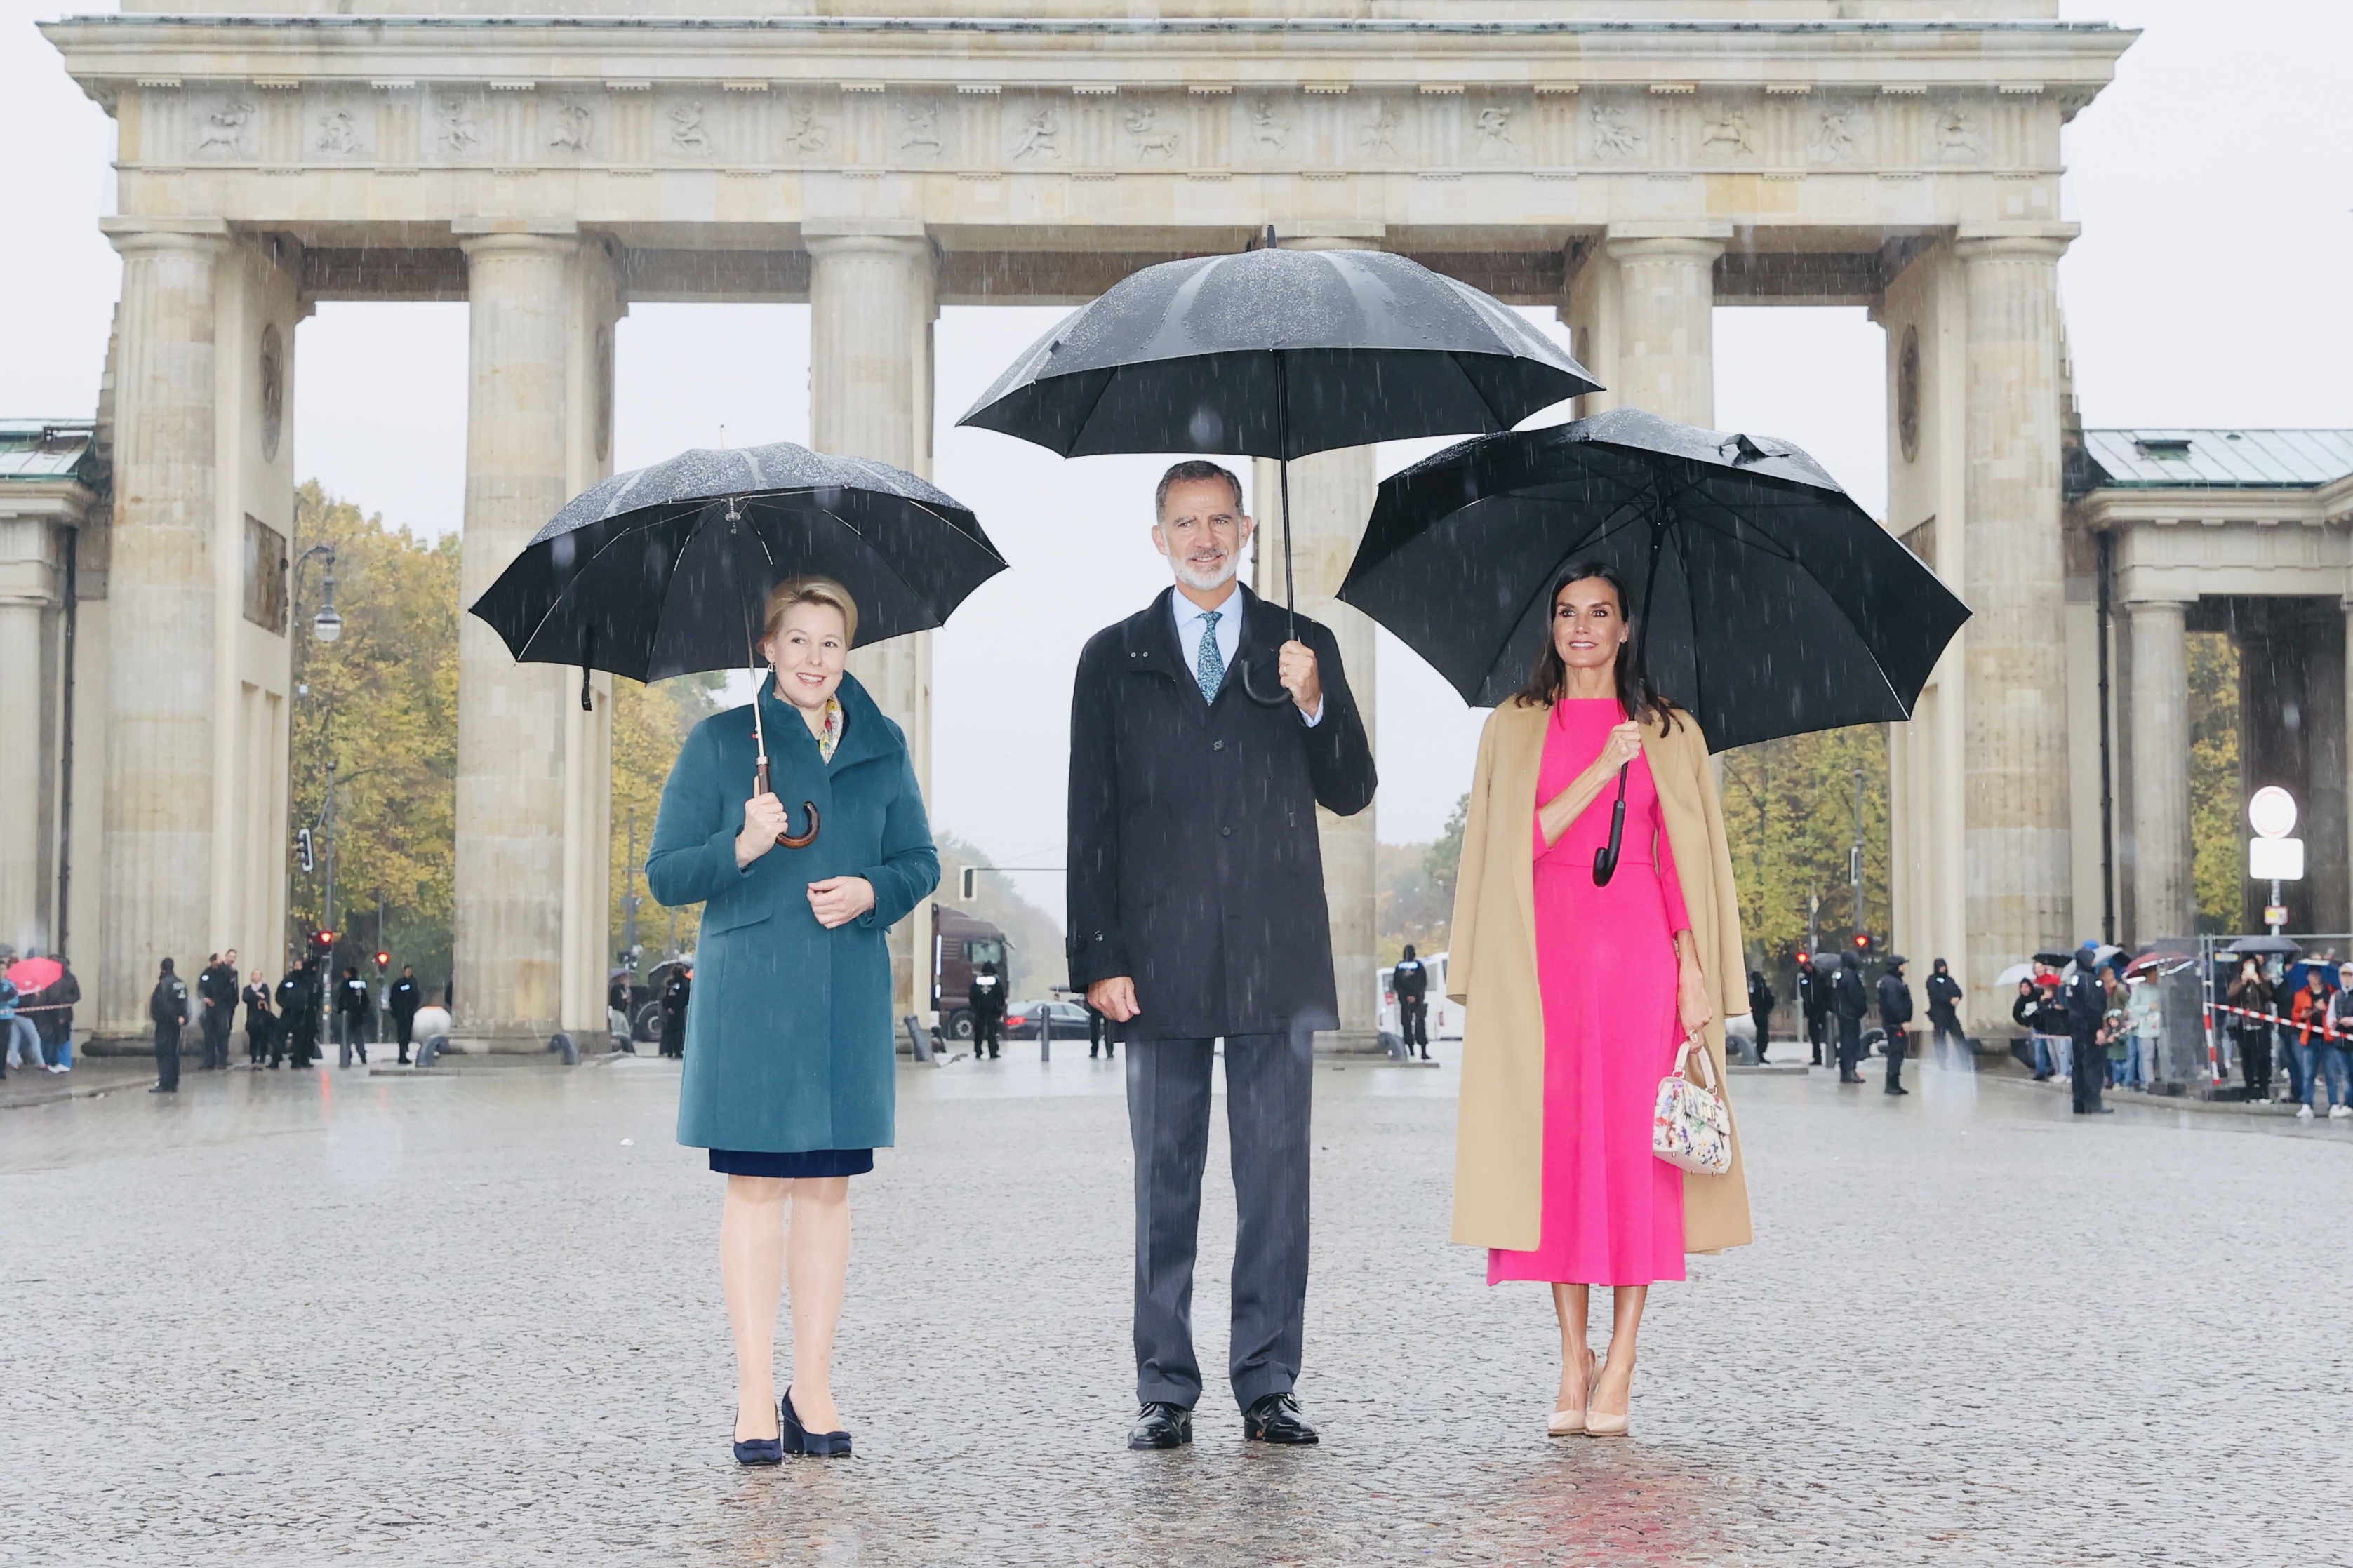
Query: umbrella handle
(1281, 694)
(760, 786)
(1605, 860)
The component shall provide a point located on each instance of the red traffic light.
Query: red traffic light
(383, 961)
(1863, 942)
(324, 941)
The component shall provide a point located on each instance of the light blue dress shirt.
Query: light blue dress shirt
(1191, 618)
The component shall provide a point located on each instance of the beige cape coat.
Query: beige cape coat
(1491, 969)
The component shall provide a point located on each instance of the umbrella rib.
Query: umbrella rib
(564, 595)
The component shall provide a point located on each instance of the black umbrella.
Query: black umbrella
(1769, 603)
(665, 570)
(2265, 946)
(1279, 354)
(2054, 959)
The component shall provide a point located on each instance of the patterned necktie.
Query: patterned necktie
(1210, 666)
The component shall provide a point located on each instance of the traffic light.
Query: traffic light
(968, 882)
(303, 848)
(324, 941)
(383, 962)
(1863, 944)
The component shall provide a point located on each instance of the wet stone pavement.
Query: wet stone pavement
(476, 1319)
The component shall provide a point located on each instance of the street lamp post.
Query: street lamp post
(326, 627)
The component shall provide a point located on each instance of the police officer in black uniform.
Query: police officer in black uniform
(167, 1006)
(1895, 1016)
(406, 998)
(1410, 980)
(986, 996)
(1813, 1003)
(676, 992)
(217, 989)
(1851, 1002)
(1760, 1008)
(352, 1010)
(2086, 1003)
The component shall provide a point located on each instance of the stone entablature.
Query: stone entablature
(1713, 122)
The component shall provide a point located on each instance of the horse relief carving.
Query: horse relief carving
(221, 131)
(1729, 130)
(1149, 143)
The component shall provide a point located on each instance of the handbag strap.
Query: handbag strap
(1692, 1042)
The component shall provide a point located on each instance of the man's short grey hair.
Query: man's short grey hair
(1185, 473)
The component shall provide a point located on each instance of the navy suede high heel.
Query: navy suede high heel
(761, 1450)
(799, 1439)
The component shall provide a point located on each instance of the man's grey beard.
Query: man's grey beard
(1200, 583)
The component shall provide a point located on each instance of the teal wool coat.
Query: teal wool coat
(789, 1040)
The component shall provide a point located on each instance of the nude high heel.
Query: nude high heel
(1598, 1425)
(1570, 1423)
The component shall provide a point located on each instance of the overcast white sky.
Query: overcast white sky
(2209, 289)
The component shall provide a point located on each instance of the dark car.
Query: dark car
(1067, 1019)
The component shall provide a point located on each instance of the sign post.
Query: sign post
(2271, 854)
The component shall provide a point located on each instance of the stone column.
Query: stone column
(32, 595)
(1331, 497)
(2014, 763)
(1666, 336)
(2164, 890)
(156, 872)
(871, 301)
(509, 936)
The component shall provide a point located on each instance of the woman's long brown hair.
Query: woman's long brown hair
(1549, 678)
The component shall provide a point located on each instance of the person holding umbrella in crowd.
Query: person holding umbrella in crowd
(2252, 990)
(406, 998)
(1196, 900)
(1944, 1010)
(790, 1074)
(1637, 931)
(1895, 1020)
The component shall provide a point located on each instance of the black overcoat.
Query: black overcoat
(1194, 863)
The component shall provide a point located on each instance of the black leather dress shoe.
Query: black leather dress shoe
(1276, 1419)
(1162, 1425)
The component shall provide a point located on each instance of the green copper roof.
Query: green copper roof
(2177, 459)
(47, 449)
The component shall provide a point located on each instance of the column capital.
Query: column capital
(865, 237)
(478, 245)
(1637, 241)
(132, 235)
(2013, 242)
(2147, 602)
(1320, 235)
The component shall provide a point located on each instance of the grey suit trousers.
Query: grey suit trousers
(1270, 1088)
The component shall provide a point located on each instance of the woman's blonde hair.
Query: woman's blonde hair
(810, 591)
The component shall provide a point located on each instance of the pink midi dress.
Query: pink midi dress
(1613, 1212)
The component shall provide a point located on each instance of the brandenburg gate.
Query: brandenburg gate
(1627, 163)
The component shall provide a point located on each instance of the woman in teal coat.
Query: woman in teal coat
(791, 1060)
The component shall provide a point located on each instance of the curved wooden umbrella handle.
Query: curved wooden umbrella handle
(806, 839)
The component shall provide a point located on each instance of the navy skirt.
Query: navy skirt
(803, 1162)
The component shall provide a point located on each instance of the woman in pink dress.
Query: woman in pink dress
(1621, 976)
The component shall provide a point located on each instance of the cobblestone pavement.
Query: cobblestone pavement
(476, 1319)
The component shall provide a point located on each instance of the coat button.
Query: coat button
(1225, 832)
(1217, 745)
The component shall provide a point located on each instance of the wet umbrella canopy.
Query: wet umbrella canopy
(1767, 603)
(1279, 354)
(665, 571)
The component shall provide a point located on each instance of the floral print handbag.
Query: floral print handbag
(1690, 1129)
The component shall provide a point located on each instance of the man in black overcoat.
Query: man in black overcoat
(217, 989)
(1410, 984)
(986, 997)
(406, 997)
(1203, 737)
(1895, 1020)
(1851, 1002)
